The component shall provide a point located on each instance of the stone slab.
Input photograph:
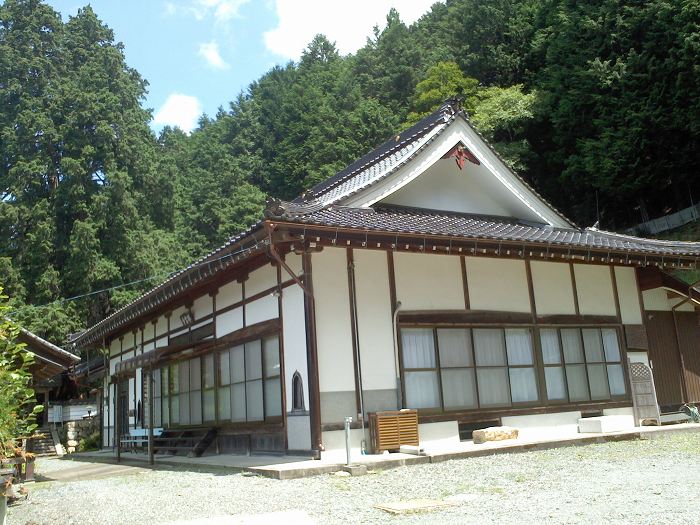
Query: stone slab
(414, 505)
(494, 434)
(603, 424)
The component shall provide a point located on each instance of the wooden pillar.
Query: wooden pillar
(117, 420)
(312, 357)
(151, 459)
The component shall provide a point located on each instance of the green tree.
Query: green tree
(17, 403)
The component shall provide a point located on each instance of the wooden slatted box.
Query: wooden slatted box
(393, 428)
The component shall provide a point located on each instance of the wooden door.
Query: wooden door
(663, 357)
(689, 336)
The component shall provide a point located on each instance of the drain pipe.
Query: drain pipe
(399, 395)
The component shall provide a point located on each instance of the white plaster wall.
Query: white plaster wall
(543, 426)
(175, 321)
(594, 287)
(298, 433)
(229, 321)
(333, 333)
(202, 306)
(428, 281)
(497, 284)
(638, 357)
(261, 279)
(139, 391)
(374, 320)
(148, 333)
(334, 445)
(685, 307)
(628, 295)
(230, 293)
(148, 347)
(161, 326)
(261, 310)
(114, 347)
(554, 291)
(656, 299)
(294, 262)
(163, 341)
(294, 336)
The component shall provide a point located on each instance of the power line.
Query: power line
(153, 277)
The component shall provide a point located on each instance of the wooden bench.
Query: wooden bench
(139, 437)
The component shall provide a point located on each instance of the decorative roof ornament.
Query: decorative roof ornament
(461, 155)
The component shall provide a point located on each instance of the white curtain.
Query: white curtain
(493, 387)
(271, 351)
(184, 375)
(617, 380)
(549, 339)
(195, 407)
(598, 381)
(519, 346)
(593, 345)
(254, 400)
(454, 345)
(208, 376)
(209, 403)
(611, 345)
(556, 386)
(422, 389)
(571, 340)
(238, 402)
(418, 348)
(253, 363)
(237, 364)
(225, 403)
(273, 397)
(488, 347)
(225, 367)
(458, 388)
(196, 373)
(578, 385)
(523, 385)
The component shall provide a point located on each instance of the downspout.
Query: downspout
(397, 369)
(684, 390)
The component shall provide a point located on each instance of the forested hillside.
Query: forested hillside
(596, 103)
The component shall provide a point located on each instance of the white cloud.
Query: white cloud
(179, 110)
(347, 23)
(221, 10)
(210, 52)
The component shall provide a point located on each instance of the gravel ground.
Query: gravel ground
(627, 482)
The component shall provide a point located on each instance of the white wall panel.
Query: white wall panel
(294, 334)
(175, 321)
(594, 287)
(261, 279)
(148, 333)
(294, 262)
(333, 333)
(229, 321)
(262, 309)
(554, 292)
(161, 326)
(115, 347)
(497, 284)
(202, 306)
(229, 294)
(374, 319)
(428, 281)
(628, 295)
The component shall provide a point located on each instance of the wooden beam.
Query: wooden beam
(312, 356)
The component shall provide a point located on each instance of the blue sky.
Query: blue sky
(198, 55)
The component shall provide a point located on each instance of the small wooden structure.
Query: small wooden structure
(393, 428)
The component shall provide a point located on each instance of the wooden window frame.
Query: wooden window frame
(537, 364)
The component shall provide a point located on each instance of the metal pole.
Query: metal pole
(151, 382)
(348, 420)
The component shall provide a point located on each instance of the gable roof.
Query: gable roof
(319, 207)
(50, 360)
(395, 153)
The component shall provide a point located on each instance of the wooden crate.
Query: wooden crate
(391, 429)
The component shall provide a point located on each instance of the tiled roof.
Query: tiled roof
(431, 222)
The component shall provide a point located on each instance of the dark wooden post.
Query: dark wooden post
(117, 420)
(151, 459)
(312, 357)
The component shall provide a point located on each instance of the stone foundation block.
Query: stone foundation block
(494, 434)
